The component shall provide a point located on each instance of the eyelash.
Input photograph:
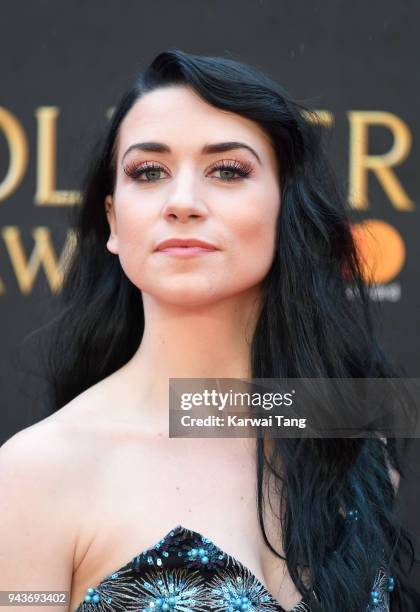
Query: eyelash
(242, 169)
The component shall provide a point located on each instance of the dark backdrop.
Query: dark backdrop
(63, 66)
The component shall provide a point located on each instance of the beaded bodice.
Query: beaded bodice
(186, 571)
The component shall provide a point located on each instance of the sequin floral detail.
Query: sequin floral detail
(182, 547)
(176, 589)
(237, 589)
(201, 553)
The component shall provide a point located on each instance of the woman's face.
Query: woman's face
(174, 189)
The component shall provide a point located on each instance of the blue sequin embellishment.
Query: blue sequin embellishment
(92, 596)
(187, 571)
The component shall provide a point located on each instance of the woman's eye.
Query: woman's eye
(228, 174)
(150, 171)
(152, 174)
(229, 168)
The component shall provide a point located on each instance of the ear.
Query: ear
(112, 243)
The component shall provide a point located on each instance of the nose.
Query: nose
(183, 201)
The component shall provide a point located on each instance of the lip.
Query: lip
(185, 246)
(186, 251)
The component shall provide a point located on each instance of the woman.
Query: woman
(212, 150)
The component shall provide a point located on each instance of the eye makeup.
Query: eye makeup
(137, 171)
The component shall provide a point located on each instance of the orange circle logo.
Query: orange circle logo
(380, 248)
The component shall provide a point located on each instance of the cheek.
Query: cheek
(133, 243)
(253, 234)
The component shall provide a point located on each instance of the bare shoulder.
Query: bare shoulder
(95, 407)
(60, 457)
(38, 458)
(40, 506)
(58, 450)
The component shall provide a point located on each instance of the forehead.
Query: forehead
(177, 116)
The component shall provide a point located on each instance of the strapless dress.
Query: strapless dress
(186, 571)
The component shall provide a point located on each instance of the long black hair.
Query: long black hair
(307, 328)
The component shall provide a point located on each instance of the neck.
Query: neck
(206, 341)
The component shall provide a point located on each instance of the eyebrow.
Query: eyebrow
(218, 147)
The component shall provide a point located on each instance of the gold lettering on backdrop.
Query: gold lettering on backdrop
(19, 153)
(43, 255)
(46, 193)
(361, 162)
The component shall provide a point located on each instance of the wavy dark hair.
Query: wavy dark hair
(307, 328)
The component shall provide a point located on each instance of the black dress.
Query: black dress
(185, 571)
